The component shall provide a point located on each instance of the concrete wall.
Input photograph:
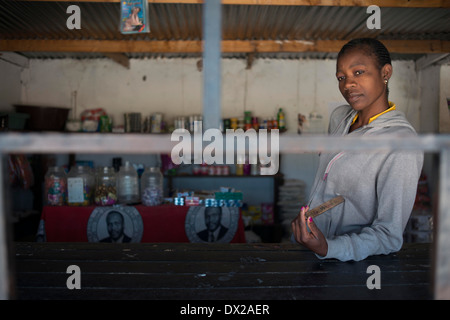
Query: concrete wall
(10, 87)
(444, 94)
(174, 87)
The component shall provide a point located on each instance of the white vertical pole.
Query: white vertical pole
(212, 36)
(4, 240)
(442, 245)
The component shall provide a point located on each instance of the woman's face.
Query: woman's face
(361, 82)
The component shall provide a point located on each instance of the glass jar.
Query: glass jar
(80, 186)
(152, 187)
(128, 184)
(55, 186)
(105, 187)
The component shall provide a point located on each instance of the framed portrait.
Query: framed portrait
(115, 224)
(211, 224)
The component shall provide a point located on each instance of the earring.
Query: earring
(385, 81)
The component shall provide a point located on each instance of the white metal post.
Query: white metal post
(442, 245)
(212, 35)
(4, 240)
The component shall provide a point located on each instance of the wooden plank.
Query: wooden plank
(188, 252)
(228, 46)
(412, 292)
(176, 281)
(194, 267)
(5, 272)
(339, 3)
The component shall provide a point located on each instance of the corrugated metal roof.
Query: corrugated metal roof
(100, 21)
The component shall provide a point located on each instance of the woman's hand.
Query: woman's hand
(314, 240)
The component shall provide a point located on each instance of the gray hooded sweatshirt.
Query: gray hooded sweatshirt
(379, 189)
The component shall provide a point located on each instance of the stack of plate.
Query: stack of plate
(290, 199)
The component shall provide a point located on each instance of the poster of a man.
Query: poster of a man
(115, 224)
(214, 229)
(122, 224)
(211, 224)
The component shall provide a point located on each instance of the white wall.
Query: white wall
(174, 87)
(444, 94)
(10, 88)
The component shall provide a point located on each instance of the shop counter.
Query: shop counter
(225, 272)
(165, 223)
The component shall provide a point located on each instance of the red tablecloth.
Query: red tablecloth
(165, 223)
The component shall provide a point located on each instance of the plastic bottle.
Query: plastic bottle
(128, 184)
(105, 187)
(80, 186)
(55, 186)
(281, 120)
(152, 187)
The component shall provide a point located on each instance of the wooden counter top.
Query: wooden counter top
(214, 272)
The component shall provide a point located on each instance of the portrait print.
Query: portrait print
(211, 224)
(115, 225)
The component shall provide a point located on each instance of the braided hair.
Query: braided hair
(372, 47)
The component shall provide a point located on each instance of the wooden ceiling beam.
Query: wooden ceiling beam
(228, 46)
(335, 3)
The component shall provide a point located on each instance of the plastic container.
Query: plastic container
(105, 187)
(128, 184)
(281, 120)
(152, 187)
(80, 186)
(55, 186)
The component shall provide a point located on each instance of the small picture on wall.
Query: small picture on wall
(134, 16)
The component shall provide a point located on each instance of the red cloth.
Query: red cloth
(165, 223)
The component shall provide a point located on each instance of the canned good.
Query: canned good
(133, 122)
(234, 123)
(241, 123)
(105, 124)
(226, 124)
(191, 123)
(247, 117)
(255, 123)
(180, 123)
(156, 120)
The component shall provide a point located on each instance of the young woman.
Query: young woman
(379, 188)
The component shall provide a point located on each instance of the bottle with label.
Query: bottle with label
(152, 187)
(105, 187)
(281, 120)
(55, 186)
(80, 186)
(128, 184)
